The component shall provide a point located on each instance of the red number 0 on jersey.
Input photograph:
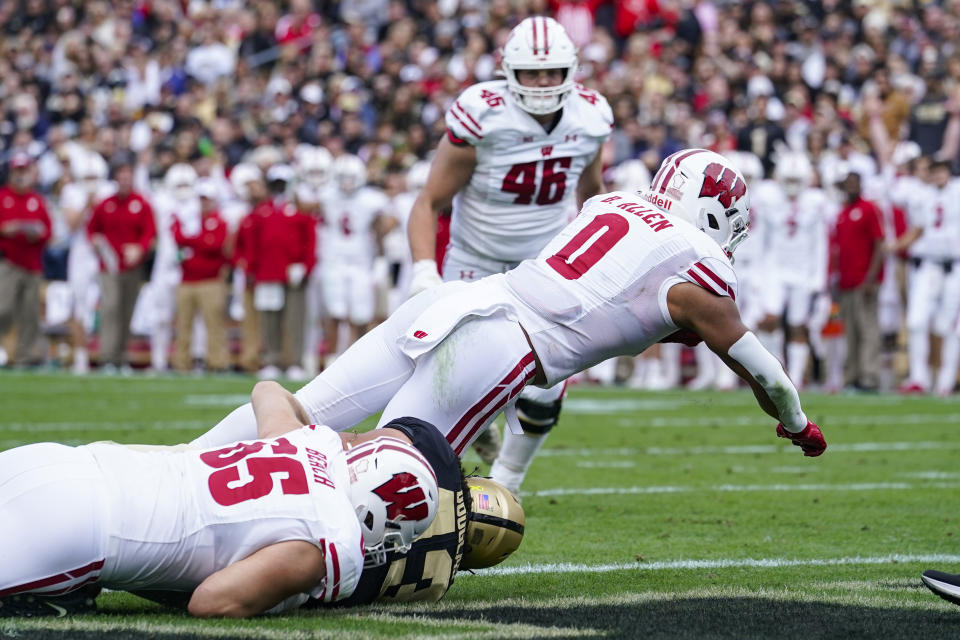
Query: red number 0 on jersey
(577, 256)
(521, 179)
(223, 485)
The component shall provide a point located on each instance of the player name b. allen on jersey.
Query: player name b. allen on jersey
(654, 219)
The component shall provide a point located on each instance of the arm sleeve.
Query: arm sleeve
(769, 373)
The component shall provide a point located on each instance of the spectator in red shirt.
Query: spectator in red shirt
(858, 255)
(202, 288)
(24, 230)
(255, 193)
(283, 254)
(122, 230)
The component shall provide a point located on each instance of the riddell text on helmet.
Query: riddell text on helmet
(654, 219)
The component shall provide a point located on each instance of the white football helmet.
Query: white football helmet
(631, 175)
(349, 172)
(417, 176)
(539, 43)
(905, 152)
(91, 170)
(394, 492)
(792, 169)
(180, 180)
(313, 166)
(704, 188)
(243, 174)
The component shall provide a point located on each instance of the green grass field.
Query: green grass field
(649, 515)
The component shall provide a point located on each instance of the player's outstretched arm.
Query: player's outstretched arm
(717, 321)
(276, 410)
(450, 172)
(260, 581)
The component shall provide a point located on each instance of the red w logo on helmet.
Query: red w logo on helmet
(404, 497)
(723, 183)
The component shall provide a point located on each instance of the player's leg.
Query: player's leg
(464, 382)
(799, 307)
(944, 325)
(707, 363)
(51, 509)
(363, 301)
(183, 321)
(314, 314)
(538, 411)
(294, 315)
(924, 289)
(356, 385)
(336, 305)
(769, 330)
(463, 266)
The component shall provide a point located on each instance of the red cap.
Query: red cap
(20, 159)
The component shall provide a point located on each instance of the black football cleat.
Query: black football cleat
(945, 585)
(35, 605)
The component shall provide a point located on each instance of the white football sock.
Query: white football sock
(836, 354)
(797, 355)
(239, 424)
(160, 346)
(515, 457)
(670, 364)
(949, 362)
(918, 349)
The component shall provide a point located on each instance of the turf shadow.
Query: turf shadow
(727, 618)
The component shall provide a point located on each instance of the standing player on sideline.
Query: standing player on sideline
(933, 300)
(516, 154)
(631, 270)
(355, 221)
(796, 241)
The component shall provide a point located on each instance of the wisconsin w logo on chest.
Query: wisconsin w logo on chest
(404, 497)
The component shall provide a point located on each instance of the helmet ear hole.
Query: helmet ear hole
(712, 221)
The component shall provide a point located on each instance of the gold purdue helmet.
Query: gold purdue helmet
(494, 525)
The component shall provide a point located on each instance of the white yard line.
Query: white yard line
(443, 628)
(758, 420)
(721, 563)
(216, 400)
(132, 425)
(855, 447)
(741, 488)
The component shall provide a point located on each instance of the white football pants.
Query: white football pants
(51, 510)
(460, 386)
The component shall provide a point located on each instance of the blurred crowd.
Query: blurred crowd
(274, 149)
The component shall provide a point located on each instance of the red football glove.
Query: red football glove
(810, 439)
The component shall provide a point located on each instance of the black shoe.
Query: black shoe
(35, 605)
(945, 585)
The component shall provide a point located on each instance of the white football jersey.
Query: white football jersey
(599, 289)
(937, 212)
(166, 208)
(795, 235)
(182, 516)
(348, 236)
(525, 180)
